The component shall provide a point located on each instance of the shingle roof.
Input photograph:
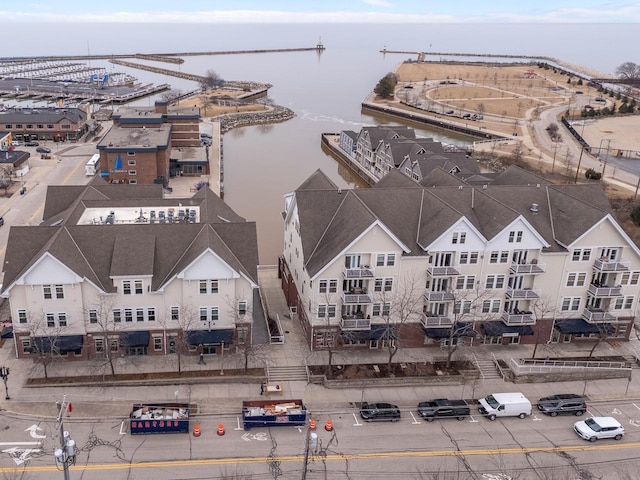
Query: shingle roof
(417, 216)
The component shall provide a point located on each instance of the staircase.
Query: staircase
(488, 369)
(287, 373)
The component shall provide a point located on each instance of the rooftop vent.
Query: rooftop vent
(534, 207)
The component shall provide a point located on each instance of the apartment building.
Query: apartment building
(514, 260)
(121, 270)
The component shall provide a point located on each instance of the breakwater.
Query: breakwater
(276, 114)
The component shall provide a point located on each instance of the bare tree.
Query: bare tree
(241, 311)
(45, 331)
(211, 79)
(105, 322)
(629, 71)
(179, 320)
(5, 180)
(542, 307)
(400, 305)
(172, 95)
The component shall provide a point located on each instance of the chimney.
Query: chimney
(534, 208)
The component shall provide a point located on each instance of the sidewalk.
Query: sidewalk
(225, 399)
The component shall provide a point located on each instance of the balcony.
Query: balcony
(604, 291)
(443, 271)
(358, 272)
(438, 296)
(596, 315)
(520, 318)
(430, 320)
(354, 323)
(356, 298)
(523, 293)
(606, 265)
(532, 268)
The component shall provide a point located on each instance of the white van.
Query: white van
(504, 405)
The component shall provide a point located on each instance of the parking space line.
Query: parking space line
(357, 424)
(636, 406)
(415, 422)
(473, 420)
(535, 417)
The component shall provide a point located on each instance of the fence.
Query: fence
(521, 366)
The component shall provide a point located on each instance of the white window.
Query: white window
(157, 343)
(131, 163)
(495, 281)
(242, 307)
(26, 346)
(175, 313)
(126, 287)
(468, 258)
(117, 315)
(132, 172)
(465, 282)
(326, 311)
(462, 306)
(491, 306)
(381, 309)
(581, 255)
(385, 259)
(576, 279)
(515, 236)
(630, 278)
(56, 319)
(22, 316)
(138, 287)
(459, 237)
(215, 314)
(499, 257)
(383, 285)
(51, 291)
(139, 314)
(128, 315)
(209, 314)
(99, 344)
(93, 316)
(208, 286)
(328, 286)
(570, 304)
(151, 314)
(623, 303)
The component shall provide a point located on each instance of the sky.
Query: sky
(321, 11)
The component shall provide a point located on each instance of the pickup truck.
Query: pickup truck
(441, 407)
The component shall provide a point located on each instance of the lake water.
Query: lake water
(325, 90)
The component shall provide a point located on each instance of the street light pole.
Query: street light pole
(4, 374)
(66, 454)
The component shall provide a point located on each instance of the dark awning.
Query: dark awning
(499, 329)
(135, 339)
(375, 333)
(209, 337)
(65, 343)
(579, 325)
(459, 329)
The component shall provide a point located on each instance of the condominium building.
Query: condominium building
(514, 260)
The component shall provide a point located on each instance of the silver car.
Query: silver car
(595, 428)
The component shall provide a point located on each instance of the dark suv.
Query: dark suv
(381, 412)
(562, 404)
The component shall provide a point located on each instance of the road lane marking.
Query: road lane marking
(587, 447)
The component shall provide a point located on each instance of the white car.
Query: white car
(595, 428)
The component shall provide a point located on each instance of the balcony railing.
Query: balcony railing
(357, 298)
(522, 318)
(352, 323)
(605, 291)
(443, 271)
(523, 293)
(592, 315)
(528, 268)
(438, 296)
(358, 272)
(611, 265)
(431, 320)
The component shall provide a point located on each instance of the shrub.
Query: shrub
(591, 174)
(635, 215)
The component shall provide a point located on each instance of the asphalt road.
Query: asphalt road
(475, 448)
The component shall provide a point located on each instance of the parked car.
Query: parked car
(206, 135)
(466, 115)
(16, 143)
(562, 404)
(443, 408)
(43, 150)
(31, 144)
(380, 412)
(600, 100)
(596, 428)
(504, 405)
(579, 92)
(449, 112)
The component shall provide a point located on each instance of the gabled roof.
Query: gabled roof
(418, 215)
(100, 252)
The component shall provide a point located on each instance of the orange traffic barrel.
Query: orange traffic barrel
(328, 426)
(196, 430)
(312, 424)
(220, 429)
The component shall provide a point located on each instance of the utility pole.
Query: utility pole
(578, 169)
(66, 454)
(606, 156)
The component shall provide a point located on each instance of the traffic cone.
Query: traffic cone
(312, 424)
(328, 426)
(196, 430)
(220, 429)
